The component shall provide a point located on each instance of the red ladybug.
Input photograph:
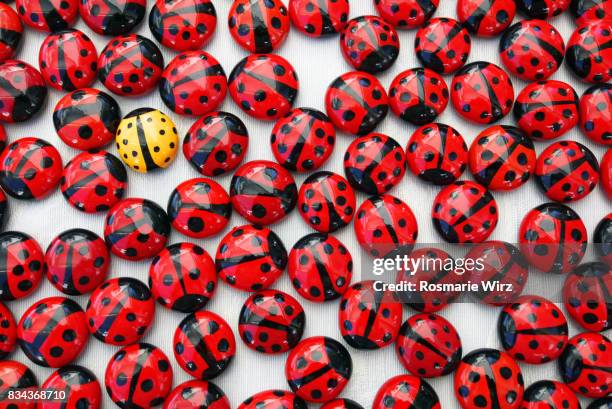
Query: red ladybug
(86, 119)
(195, 394)
(112, 17)
(4, 211)
(303, 139)
(273, 399)
(138, 375)
(369, 318)
(567, 171)
(502, 158)
(602, 238)
(406, 14)
(80, 385)
(341, 403)
(48, 15)
(258, 26)
(264, 85)
(263, 192)
(120, 311)
(53, 332)
(130, 65)
(318, 369)
(17, 377)
(437, 154)
(93, 182)
(183, 277)
(482, 92)
(11, 31)
(488, 378)
(443, 45)
(503, 263)
(546, 109)
(606, 173)
(250, 258)
(22, 91)
(320, 267)
(8, 331)
(68, 60)
(374, 163)
(428, 346)
(532, 49)
(271, 322)
(596, 113)
(204, 344)
(183, 25)
(464, 212)
(369, 44)
(199, 208)
(549, 394)
(418, 95)
(385, 226)
(193, 83)
(136, 229)
(326, 201)
(585, 363)
(587, 295)
(77, 261)
(432, 266)
(542, 9)
(22, 265)
(532, 329)
(588, 54)
(216, 143)
(553, 238)
(319, 19)
(486, 19)
(406, 392)
(356, 102)
(587, 11)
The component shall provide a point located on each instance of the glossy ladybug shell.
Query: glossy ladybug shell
(48, 15)
(318, 369)
(120, 311)
(250, 258)
(80, 385)
(77, 261)
(93, 182)
(418, 95)
(369, 44)
(356, 102)
(30, 169)
(602, 239)
(341, 403)
(588, 55)
(542, 9)
(22, 265)
(567, 171)
(68, 60)
(112, 17)
(319, 19)
(86, 119)
(264, 85)
(23, 91)
(271, 322)
(273, 399)
(263, 192)
(532, 49)
(216, 143)
(437, 154)
(258, 26)
(53, 332)
(19, 378)
(320, 267)
(405, 392)
(374, 163)
(8, 332)
(4, 210)
(442, 45)
(428, 346)
(406, 14)
(303, 139)
(11, 31)
(183, 25)
(369, 318)
(553, 238)
(193, 83)
(195, 394)
(596, 113)
(586, 296)
(606, 173)
(138, 375)
(486, 19)
(587, 11)
(553, 394)
(204, 344)
(182, 277)
(326, 201)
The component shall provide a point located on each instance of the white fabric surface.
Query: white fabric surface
(317, 63)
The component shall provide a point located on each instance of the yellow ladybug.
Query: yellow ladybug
(146, 139)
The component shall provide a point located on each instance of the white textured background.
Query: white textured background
(317, 63)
